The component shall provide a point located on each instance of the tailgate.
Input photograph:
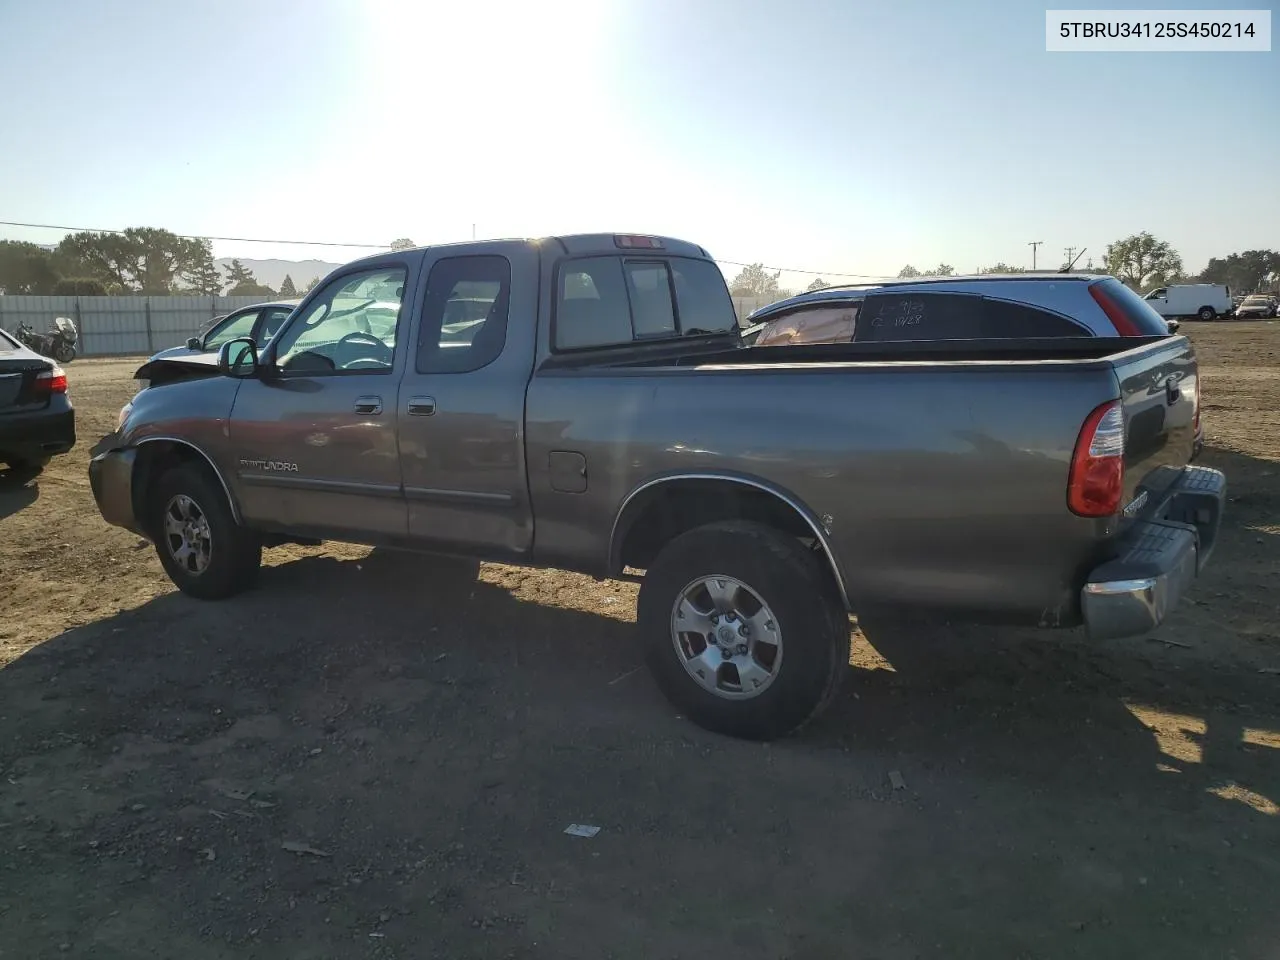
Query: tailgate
(1159, 389)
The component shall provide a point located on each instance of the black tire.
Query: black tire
(1207, 313)
(235, 554)
(64, 353)
(800, 593)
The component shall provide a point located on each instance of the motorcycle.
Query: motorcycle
(59, 343)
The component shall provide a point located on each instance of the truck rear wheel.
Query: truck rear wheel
(1207, 313)
(743, 630)
(201, 547)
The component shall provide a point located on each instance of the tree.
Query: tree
(907, 272)
(26, 268)
(287, 289)
(1002, 267)
(203, 274)
(311, 285)
(145, 259)
(238, 274)
(251, 289)
(818, 284)
(1251, 270)
(755, 281)
(941, 270)
(404, 243)
(80, 287)
(243, 283)
(1142, 261)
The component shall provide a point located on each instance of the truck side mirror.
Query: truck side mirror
(238, 358)
(193, 343)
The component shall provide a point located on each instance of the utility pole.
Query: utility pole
(1033, 244)
(473, 231)
(1071, 254)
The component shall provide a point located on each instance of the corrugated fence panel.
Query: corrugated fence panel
(121, 326)
(113, 325)
(174, 319)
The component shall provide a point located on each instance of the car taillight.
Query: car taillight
(50, 382)
(1115, 313)
(1096, 483)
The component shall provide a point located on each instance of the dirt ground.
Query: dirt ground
(376, 756)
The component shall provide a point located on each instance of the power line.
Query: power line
(814, 273)
(192, 236)
(387, 246)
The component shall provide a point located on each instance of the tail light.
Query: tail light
(1096, 483)
(49, 382)
(1115, 313)
(633, 242)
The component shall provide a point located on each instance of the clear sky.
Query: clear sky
(836, 135)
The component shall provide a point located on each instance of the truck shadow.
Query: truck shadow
(363, 691)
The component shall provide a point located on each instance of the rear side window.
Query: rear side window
(608, 301)
(1139, 314)
(464, 315)
(955, 316)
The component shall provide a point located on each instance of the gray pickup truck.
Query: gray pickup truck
(587, 403)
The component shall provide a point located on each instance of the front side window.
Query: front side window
(351, 326)
(464, 314)
(824, 323)
(236, 325)
(272, 320)
(608, 301)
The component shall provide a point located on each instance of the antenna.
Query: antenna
(1070, 265)
(1033, 244)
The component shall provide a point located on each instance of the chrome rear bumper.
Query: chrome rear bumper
(1158, 561)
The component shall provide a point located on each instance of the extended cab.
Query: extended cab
(587, 403)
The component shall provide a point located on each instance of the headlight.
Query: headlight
(124, 414)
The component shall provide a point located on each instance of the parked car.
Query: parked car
(37, 421)
(607, 417)
(1258, 306)
(259, 322)
(1204, 301)
(960, 308)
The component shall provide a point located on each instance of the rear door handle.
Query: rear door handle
(422, 406)
(368, 406)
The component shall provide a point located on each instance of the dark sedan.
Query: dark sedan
(36, 417)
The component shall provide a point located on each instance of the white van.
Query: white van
(1207, 301)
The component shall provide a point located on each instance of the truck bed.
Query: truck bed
(945, 489)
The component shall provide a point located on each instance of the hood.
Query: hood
(177, 364)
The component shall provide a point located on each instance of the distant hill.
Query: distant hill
(272, 272)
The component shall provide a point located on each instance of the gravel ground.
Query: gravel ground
(376, 755)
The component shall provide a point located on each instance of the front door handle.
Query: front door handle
(422, 406)
(368, 406)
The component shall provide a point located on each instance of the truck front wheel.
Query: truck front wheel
(1208, 313)
(743, 629)
(201, 547)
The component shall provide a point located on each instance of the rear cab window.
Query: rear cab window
(614, 300)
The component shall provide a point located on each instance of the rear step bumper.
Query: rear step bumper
(1159, 558)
